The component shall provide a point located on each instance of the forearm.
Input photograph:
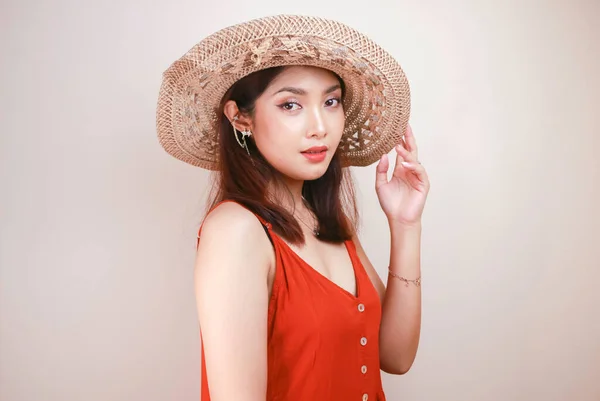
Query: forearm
(401, 319)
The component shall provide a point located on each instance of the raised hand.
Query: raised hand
(403, 196)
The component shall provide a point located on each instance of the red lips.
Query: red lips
(316, 154)
(315, 149)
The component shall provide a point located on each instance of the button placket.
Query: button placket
(363, 342)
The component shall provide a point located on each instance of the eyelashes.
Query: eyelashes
(337, 101)
(294, 105)
(290, 106)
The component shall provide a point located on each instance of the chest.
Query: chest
(331, 261)
(325, 288)
(310, 308)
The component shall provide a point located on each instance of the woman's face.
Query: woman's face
(298, 121)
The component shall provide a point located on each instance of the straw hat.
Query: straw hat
(376, 104)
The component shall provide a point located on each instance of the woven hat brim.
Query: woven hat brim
(376, 104)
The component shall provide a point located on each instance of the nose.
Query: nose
(316, 127)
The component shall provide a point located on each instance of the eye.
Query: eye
(332, 102)
(290, 106)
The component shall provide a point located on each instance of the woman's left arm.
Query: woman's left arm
(402, 199)
(401, 304)
(401, 313)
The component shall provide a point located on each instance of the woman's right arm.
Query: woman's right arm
(230, 279)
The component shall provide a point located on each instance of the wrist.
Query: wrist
(404, 226)
(416, 281)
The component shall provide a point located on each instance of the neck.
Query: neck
(298, 207)
(288, 195)
(291, 198)
(295, 189)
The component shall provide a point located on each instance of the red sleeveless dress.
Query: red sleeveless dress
(323, 341)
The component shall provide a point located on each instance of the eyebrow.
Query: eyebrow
(300, 91)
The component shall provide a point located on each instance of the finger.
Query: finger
(410, 140)
(403, 143)
(401, 153)
(405, 155)
(381, 171)
(416, 169)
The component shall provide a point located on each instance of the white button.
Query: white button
(363, 369)
(361, 308)
(363, 341)
(365, 397)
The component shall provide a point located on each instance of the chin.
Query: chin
(307, 173)
(313, 172)
(301, 169)
(314, 176)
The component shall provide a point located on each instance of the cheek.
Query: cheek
(338, 123)
(276, 135)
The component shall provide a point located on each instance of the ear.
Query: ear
(231, 111)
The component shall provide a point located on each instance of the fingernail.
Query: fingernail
(406, 164)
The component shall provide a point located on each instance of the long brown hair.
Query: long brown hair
(245, 178)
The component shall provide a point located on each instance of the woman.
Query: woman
(289, 305)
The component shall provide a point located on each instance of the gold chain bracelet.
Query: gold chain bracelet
(416, 282)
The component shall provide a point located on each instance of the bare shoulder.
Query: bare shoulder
(232, 231)
(231, 218)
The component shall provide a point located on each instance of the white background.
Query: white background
(98, 223)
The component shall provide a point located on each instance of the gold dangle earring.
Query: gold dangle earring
(244, 134)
